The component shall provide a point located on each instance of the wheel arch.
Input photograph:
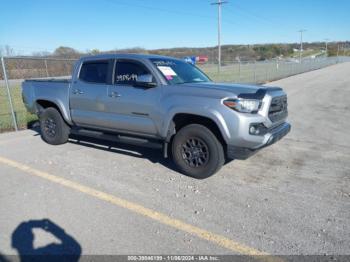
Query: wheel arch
(181, 120)
(42, 104)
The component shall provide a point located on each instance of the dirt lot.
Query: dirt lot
(290, 198)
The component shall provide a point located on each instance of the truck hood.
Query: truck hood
(236, 88)
(221, 90)
(232, 89)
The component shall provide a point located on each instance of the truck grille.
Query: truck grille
(278, 108)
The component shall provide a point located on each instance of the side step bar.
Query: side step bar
(119, 138)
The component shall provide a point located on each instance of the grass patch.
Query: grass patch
(249, 72)
(22, 116)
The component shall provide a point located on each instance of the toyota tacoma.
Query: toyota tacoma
(159, 102)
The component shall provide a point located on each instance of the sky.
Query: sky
(43, 25)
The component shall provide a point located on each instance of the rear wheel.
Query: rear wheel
(197, 152)
(53, 128)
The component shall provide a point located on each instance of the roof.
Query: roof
(131, 56)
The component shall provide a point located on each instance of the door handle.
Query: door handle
(78, 92)
(114, 94)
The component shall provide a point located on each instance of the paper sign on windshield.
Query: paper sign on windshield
(167, 71)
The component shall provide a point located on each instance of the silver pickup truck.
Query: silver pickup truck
(160, 102)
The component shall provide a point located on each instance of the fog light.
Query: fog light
(257, 129)
(252, 130)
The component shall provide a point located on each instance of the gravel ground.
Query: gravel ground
(290, 198)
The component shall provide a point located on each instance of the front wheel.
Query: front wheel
(54, 130)
(197, 152)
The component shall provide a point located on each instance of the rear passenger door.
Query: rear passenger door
(89, 92)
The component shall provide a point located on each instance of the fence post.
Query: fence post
(239, 71)
(68, 72)
(47, 71)
(9, 94)
(255, 71)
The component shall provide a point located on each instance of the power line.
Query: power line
(159, 9)
(281, 33)
(219, 4)
(170, 11)
(253, 15)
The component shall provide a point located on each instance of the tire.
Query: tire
(54, 129)
(197, 152)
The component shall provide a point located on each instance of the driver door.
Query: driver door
(134, 109)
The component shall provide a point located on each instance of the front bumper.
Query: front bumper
(275, 134)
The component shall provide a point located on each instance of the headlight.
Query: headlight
(243, 105)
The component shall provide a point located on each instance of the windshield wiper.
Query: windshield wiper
(191, 82)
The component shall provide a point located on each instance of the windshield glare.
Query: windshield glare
(179, 72)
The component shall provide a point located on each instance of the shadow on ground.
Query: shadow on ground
(23, 241)
(153, 155)
(3, 258)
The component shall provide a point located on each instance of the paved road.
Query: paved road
(291, 198)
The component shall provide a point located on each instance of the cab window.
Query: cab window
(127, 72)
(94, 72)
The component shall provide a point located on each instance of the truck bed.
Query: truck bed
(54, 89)
(51, 80)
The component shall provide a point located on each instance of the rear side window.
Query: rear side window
(94, 72)
(127, 72)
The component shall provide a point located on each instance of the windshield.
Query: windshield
(179, 72)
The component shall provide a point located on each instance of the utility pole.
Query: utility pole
(338, 50)
(301, 31)
(326, 40)
(219, 3)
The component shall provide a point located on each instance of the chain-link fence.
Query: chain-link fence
(257, 72)
(14, 70)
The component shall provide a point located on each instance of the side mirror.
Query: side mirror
(145, 81)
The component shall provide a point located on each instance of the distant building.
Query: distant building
(202, 59)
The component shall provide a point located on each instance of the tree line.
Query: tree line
(230, 53)
(26, 68)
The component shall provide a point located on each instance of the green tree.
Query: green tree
(66, 52)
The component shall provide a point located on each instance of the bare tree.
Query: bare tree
(9, 51)
(41, 54)
(93, 51)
